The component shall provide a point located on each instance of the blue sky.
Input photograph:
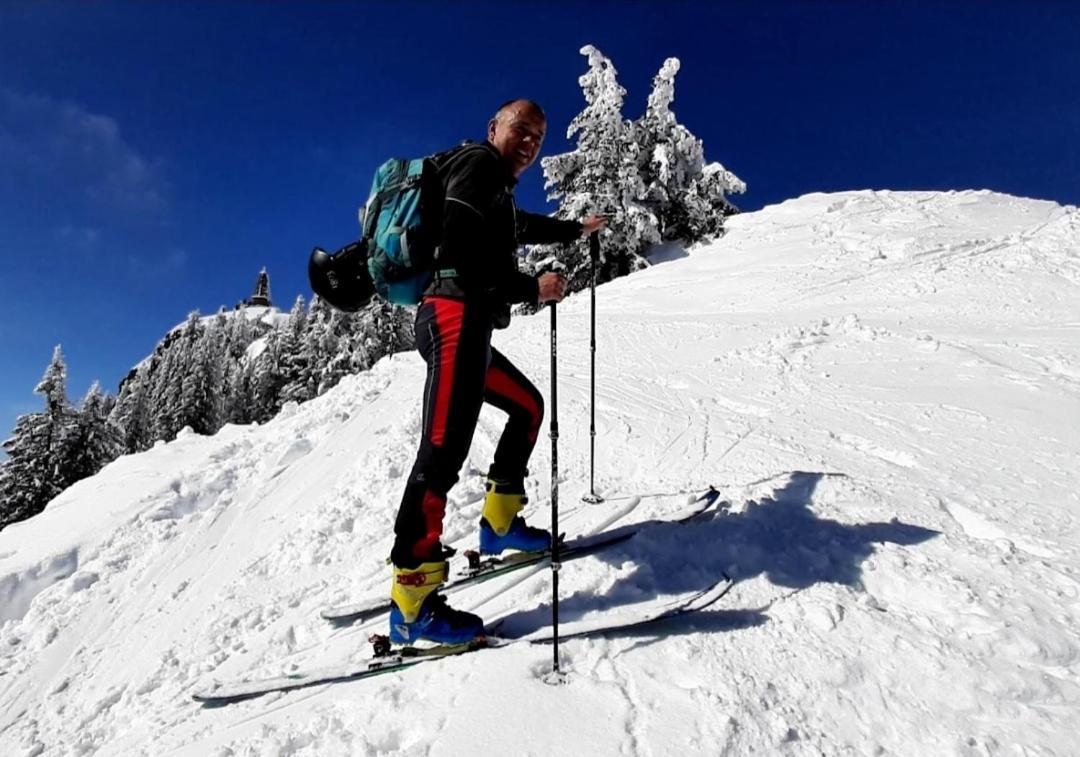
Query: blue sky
(154, 156)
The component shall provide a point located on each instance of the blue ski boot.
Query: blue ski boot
(420, 612)
(501, 527)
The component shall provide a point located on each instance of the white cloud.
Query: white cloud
(71, 154)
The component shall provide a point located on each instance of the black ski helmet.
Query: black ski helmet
(342, 278)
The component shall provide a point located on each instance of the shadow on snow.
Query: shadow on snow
(779, 538)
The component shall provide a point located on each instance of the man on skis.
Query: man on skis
(476, 281)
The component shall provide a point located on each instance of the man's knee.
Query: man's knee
(436, 469)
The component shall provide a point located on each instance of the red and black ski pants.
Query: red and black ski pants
(463, 372)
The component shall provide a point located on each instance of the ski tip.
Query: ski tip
(709, 496)
(490, 641)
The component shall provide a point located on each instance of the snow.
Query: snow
(267, 316)
(884, 385)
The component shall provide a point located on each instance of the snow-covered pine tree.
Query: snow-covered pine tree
(600, 176)
(379, 329)
(132, 414)
(238, 370)
(708, 201)
(201, 387)
(240, 398)
(26, 477)
(392, 327)
(294, 359)
(241, 333)
(32, 474)
(168, 412)
(687, 202)
(266, 381)
(320, 346)
(96, 440)
(349, 355)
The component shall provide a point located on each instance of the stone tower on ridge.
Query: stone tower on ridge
(261, 296)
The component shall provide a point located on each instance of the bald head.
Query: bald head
(521, 105)
(517, 130)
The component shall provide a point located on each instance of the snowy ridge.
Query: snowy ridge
(885, 385)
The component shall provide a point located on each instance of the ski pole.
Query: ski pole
(594, 254)
(554, 497)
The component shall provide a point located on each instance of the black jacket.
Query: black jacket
(481, 231)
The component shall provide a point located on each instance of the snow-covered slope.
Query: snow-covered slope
(885, 385)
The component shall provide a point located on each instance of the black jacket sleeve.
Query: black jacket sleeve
(538, 229)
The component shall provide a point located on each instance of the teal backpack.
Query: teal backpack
(401, 222)
(402, 227)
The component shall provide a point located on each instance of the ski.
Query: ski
(390, 660)
(606, 623)
(485, 569)
(227, 693)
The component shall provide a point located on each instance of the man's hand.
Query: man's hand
(552, 288)
(591, 224)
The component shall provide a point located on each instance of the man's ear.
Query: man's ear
(491, 128)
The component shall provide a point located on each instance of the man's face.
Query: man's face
(517, 133)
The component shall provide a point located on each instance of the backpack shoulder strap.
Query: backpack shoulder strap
(444, 161)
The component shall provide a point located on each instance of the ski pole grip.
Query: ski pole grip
(594, 246)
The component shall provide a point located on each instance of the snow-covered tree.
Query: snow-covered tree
(348, 355)
(295, 358)
(321, 345)
(671, 161)
(202, 384)
(95, 441)
(601, 176)
(266, 381)
(33, 473)
(132, 414)
(241, 333)
(649, 177)
(169, 413)
(26, 477)
(240, 392)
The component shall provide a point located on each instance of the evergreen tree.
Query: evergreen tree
(26, 477)
(241, 398)
(600, 176)
(378, 330)
(240, 335)
(266, 381)
(671, 161)
(163, 397)
(200, 388)
(96, 440)
(321, 345)
(294, 359)
(238, 370)
(169, 411)
(32, 474)
(349, 354)
(390, 330)
(132, 414)
(649, 177)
